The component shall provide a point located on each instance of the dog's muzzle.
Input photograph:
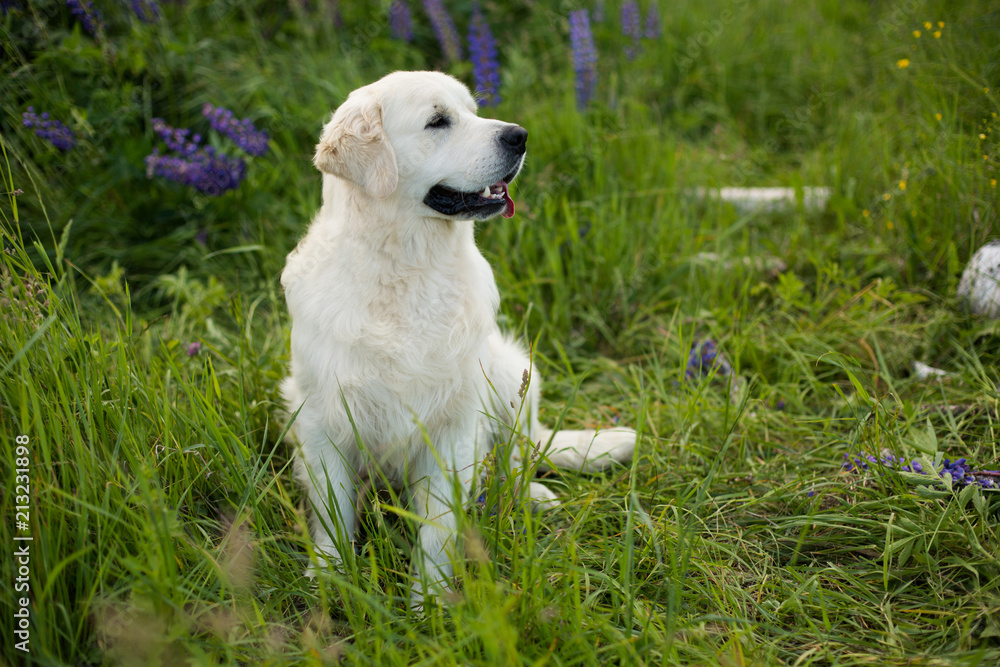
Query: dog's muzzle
(492, 198)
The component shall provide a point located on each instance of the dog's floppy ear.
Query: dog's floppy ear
(354, 147)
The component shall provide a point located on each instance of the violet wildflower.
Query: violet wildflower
(193, 349)
(485, 62)
(481, 504)
(207, 170)
(704, 359)
(251, 140)
(584, 56)
(203, 168)
(52, 131)
(961, 472)
(444, 29)
(87, 15)
(401, 21)
(630, 27)
(177, 140)
(147, 11)
(652, 29)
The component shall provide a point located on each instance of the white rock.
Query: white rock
(922, 371)
(980, 284)
(768, 199)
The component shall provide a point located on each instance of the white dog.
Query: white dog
(394, 337)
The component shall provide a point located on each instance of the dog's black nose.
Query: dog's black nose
(515, 137)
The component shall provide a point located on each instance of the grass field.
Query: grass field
(143, 334)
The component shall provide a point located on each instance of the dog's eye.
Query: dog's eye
(437, 121)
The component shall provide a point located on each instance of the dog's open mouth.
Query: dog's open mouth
(486, 203)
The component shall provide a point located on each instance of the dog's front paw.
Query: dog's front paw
(542, 498)
(424, 592)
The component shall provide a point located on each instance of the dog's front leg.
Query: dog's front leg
(332, 494)
(440, 482)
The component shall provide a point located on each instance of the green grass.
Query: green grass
(167, 529)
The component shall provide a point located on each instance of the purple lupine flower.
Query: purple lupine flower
(147, 11)
(704, 359)
(87, 15)
(653, 28)
(485, 62)
(203, 167)
(207, 170)
(444, 28)
(51, 130)
(961, 472)
(177, 140)
(401, 21)
(630, 27)
(247, 137)
(584, 56)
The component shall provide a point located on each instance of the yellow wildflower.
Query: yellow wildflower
(903, 63)
(902, 185)
(938, 116)
(916, 33)
(940, 24)
(928, 25)
(937, 34)
(887, 196)
(993, 182)
(865, 213)
(982, 136)
(889, 225)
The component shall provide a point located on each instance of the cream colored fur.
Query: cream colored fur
(394, 330)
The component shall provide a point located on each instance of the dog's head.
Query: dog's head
(416, 136)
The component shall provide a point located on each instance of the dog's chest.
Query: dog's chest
(394, 321)
(434, 317)
(394, 341)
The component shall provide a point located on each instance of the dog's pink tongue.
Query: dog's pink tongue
(508, 212)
